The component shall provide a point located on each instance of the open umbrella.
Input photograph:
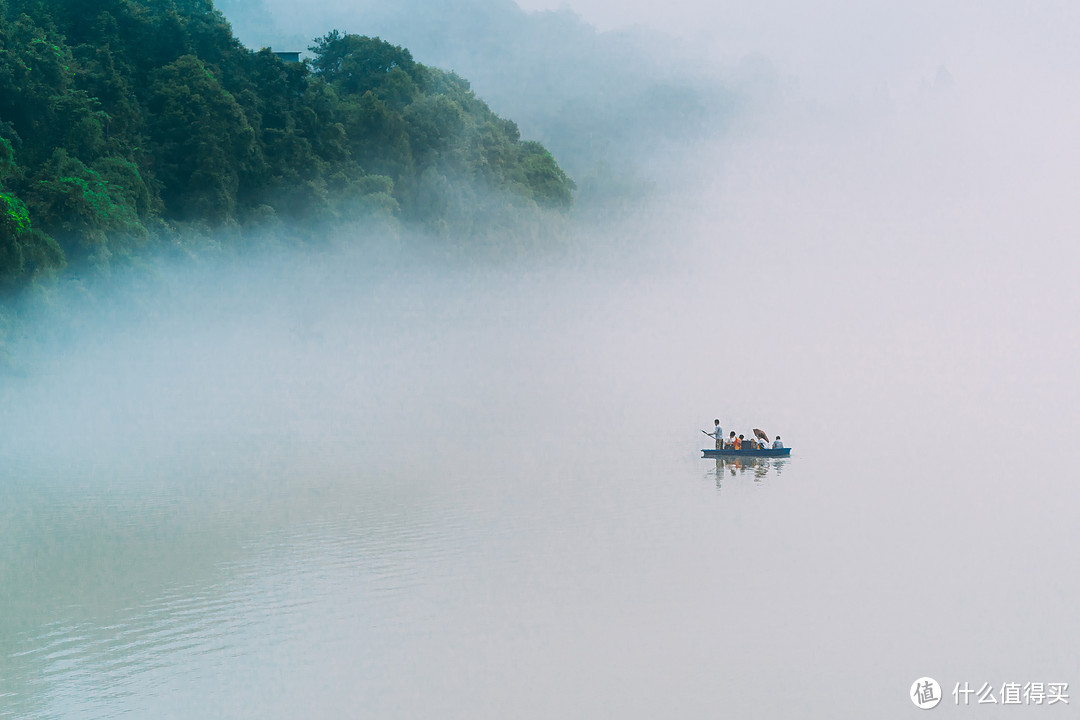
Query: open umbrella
(762, 434)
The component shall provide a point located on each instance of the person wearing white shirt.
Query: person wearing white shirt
(719, 435)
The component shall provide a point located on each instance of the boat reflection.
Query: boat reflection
(758, 467)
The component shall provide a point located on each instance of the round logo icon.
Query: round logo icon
(925, 693)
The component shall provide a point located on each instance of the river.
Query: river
(341, 489)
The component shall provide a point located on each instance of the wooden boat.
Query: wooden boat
(766, 452)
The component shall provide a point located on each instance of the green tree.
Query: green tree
(378, 138)
(90, 217)
(24, 251)
(357, 63)
(547, 182)
(434, 123)
(202, 142)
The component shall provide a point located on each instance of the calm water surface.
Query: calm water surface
(631, 578)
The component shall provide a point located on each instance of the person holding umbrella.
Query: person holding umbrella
(763, 437)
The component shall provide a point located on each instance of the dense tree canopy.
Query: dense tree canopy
(122, 120)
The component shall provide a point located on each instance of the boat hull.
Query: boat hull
(767, 452)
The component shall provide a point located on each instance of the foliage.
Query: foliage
(24, 251)
(123, 122)
(90, 216)
(201, 139)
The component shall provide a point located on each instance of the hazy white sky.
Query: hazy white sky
(848, 47)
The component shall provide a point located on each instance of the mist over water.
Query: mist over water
(370, 480)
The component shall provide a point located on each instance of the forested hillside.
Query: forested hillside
(618, 108)
(125, 123)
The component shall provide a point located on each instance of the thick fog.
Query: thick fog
(896, 184)
(862, 240)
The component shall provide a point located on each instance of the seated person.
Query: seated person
(776, 444)
(739, 442)
(731, 441)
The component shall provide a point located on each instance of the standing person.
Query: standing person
(719, 435)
